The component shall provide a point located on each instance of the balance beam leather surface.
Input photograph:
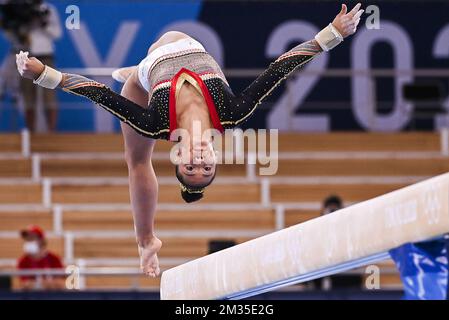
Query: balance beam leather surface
(355, 235)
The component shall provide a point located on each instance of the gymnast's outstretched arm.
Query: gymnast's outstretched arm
(344, 24)
(136, 116)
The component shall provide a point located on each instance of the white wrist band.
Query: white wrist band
(49, 78)
(328, 38)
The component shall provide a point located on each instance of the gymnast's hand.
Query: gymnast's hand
(30, 68)
(346, 22)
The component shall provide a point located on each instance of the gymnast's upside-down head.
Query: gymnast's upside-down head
(195, 168)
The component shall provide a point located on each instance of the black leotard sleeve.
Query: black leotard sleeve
(246, 102)
(140, 119)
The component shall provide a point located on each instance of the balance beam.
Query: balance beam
(351, 237)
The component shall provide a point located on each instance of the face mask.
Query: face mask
(31, 247)
(329, 210)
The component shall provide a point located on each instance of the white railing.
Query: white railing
(444, 142)
(84, 270)
(113, 271)
(26, 143)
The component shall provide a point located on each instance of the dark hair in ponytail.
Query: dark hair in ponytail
(192, 193)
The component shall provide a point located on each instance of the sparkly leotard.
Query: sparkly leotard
(226, 109)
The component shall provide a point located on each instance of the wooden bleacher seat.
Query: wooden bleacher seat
(122, 282)
(82, 143)
(254, 219)
(84, 168)
(288, 142)
(317, 192)
(167, 193)
(80, 193)
(353, 141)
(295, 216)
(119, 247)
(11, 247)
(13, 193)
(216, 193)
(10, 143)
(117, 168)
(363, 167)
(17, 220)
(172, 220)
(389, 281)
(290, 167)
(44, 143)
(97, 220)
(15, 168)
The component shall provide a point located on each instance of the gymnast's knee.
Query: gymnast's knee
(136, 159)
(167, 37)
(173, 35)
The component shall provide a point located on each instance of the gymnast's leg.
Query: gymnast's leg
(122, 74)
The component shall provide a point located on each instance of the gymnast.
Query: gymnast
(176, 85)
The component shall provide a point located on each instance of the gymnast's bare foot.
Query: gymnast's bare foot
(149, 263)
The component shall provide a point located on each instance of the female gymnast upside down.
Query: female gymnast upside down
(177, 84)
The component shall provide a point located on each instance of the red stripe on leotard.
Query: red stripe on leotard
(207, 97)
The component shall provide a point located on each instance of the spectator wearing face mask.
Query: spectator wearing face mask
(36, 256)
(331, 203)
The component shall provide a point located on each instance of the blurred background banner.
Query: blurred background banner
(360, 86)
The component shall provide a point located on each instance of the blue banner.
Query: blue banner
(249, 35)
(424, 269)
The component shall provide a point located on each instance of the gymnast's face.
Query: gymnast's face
(197, 175)
(197, 164)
